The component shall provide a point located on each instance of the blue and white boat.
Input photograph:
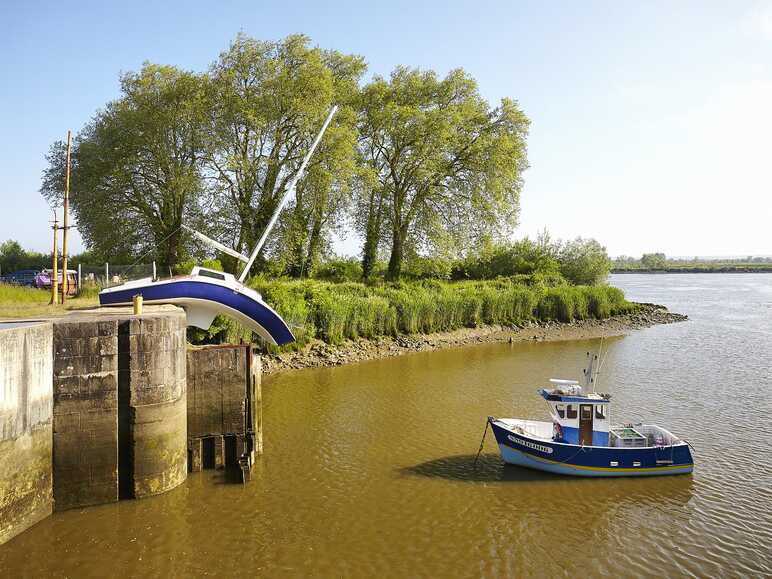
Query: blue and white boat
(205, 293)
(581, 441)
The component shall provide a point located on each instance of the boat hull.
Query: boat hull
(590, 461)
(203, 300)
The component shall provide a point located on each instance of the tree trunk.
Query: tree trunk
(395, 261)
(314, 245)
(372, 235)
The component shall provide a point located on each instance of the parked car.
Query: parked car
(21, 277)
(43, 280)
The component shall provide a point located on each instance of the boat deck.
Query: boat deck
(651, 435)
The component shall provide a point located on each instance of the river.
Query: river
(368, 468)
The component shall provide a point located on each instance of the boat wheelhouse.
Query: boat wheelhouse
(580, 439)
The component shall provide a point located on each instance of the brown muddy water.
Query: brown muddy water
(368, 469)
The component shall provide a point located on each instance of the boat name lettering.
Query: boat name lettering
(539, 447)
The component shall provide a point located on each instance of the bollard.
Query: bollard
(137, 301)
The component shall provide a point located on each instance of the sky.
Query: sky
(651, 121)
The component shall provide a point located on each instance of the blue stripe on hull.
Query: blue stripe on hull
(512, 456)
(256, 311)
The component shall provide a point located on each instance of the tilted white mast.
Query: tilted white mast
(217, 245)
(287, 194)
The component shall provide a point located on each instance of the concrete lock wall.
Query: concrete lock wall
(120, 428)
(224, 406)
(25, 426)
(152, 404)
(85, 412)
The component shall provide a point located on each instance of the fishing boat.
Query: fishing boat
(580, 440)
(205, 293)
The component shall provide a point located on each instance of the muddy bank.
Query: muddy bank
(318, 353)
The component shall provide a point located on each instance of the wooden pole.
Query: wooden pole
(66, 224)
(55, 264)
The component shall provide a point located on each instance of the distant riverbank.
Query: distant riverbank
(723, 269)
(318, 353)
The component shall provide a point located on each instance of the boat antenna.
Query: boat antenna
(290, 190)
(602, 359)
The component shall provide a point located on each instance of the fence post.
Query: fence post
(154, 276)
(79, 279)
(107, 274)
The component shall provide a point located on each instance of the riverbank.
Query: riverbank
(318, 353)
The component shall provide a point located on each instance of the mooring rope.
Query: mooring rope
(482, 442)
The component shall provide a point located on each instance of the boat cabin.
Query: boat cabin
(579, 417)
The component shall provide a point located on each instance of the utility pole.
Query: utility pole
(55, 259)
(66, 224)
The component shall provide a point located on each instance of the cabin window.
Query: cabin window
(212, 274)
(561, 410)
(600, 411)
(571, 411)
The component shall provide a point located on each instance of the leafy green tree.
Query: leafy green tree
(654, 261)
(135, 166)
(584, 261)
(266, 103)
(445, 163)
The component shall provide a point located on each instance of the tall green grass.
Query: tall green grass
(334, 312)
(23, 295)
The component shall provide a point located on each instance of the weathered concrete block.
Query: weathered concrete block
(26, 404)
(85, 412)
(223, 400)
(152, 403)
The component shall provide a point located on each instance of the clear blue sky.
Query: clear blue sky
(652, 121)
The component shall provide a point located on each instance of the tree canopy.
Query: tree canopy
(419, 164)
(444, 165)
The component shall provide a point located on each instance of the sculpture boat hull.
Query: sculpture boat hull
(204, 294)
(519, 447)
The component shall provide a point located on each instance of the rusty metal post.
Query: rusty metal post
(66, 224)
(55, 265)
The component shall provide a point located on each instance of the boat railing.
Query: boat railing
(656, 435)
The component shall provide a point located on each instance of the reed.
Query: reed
(334, 312)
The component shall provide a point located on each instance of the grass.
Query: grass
(26, 302)
(334, 312)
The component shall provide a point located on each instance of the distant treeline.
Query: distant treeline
(659, 262)
(13, 257)
(550, 263)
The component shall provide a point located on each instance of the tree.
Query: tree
(584, 261)
(446, 163)
(267, 101)
(135, 166)
(654, 261)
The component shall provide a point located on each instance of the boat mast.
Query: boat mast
(287, 194)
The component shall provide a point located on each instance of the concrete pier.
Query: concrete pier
(26, 404)
(103, 405)
(152, 404)
(119, 405)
